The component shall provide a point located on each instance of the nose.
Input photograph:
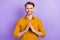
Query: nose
(28, 10)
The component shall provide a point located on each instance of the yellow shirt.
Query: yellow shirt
(29, 35)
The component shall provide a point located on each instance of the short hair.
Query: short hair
(31, 3)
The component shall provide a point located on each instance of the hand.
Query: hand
(27, 28)
(38, 33)
(30, 26)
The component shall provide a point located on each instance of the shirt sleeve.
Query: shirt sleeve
(16, 29)
(41, 29)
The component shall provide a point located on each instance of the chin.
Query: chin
(29, 13)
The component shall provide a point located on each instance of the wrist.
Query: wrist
(37, 33)
(25, 31)
(34, 31)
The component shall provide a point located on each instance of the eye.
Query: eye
(27, 8)
(30, 8)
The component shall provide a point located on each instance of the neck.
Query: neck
(29, 17)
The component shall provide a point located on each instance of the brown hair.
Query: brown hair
(31, 3)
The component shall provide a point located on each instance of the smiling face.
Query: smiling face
(29, 9)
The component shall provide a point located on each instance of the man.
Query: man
(29, 27)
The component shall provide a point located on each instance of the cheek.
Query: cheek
(26, 10)
(32, 10)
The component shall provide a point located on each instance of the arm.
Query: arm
(41, 32)
(41, 29)
(17, 32)
(16, 29)
(23, 32)
(33, 30)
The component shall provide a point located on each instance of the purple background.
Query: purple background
(47, 10)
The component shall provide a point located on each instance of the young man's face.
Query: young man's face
(29, 9)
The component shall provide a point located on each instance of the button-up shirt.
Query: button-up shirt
(29, 35)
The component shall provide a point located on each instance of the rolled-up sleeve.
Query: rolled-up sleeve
(41, 29)
(16, 29)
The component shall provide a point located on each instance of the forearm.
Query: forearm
(40, 34)
(37, 33)
(21, 33)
